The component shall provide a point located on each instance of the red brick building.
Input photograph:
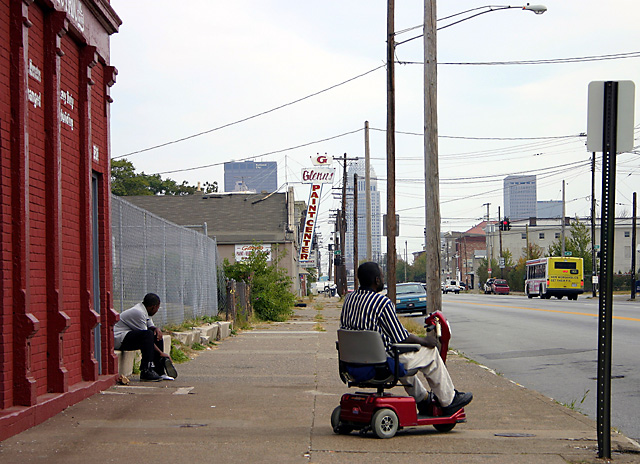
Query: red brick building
(56, 321)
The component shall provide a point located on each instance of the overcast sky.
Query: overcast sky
(194, 66)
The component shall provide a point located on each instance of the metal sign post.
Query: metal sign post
(609, 105)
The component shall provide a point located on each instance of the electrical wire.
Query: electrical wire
(250, 117)
(263, 154)
(578, 59)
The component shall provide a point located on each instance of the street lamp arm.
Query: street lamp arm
(537, 9)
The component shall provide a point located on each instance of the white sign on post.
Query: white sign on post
(595, 116)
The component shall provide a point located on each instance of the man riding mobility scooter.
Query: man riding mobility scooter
(364, 363)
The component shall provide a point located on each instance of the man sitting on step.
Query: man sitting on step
(135, 331)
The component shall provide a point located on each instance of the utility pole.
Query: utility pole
(367, 187)
(563, 216)
(431, 173)
(405, 260)
(341, 271)
(391, 155)
(593, 225)
(355, 232)
(633, 248)
(500, 233)
(527, 234)
(486, 234)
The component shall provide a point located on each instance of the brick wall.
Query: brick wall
(6, 321)
(47, 142)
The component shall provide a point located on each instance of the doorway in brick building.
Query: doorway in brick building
(95, 256)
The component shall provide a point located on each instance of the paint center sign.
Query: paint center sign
(317, 176)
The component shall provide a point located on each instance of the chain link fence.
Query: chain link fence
(153, 255)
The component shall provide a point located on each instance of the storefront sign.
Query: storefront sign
(243, 252)
(318, 175)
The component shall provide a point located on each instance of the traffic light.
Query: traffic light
(507, 224)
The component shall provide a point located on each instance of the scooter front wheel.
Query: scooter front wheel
(384, 423)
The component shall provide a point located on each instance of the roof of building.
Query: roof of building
(231, 218)
(478, 229)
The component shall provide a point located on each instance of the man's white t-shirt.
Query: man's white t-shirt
(135, 318)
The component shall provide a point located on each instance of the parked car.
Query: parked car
(450, 286)
(487, 286)
(411, 298)
(500, 287)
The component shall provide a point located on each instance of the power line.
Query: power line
(262, 154)
(578, 59)
(249, 117)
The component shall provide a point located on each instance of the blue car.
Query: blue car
(411, 298)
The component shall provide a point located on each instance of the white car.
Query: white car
(450, 286)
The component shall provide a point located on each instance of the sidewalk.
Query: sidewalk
(266, 395)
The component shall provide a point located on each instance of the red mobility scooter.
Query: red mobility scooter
(364, 363)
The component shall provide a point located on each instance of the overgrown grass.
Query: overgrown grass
(318, 317)
(319, 328)
(413, 327)
(177, 353)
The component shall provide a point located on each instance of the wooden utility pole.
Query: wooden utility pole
(500, 233)
(355, 232)
(563, 221)
(367, 187)
(431, 173)
(391, 156)
(341, 271)
(633, 248)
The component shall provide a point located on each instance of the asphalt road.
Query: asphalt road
(551, 346)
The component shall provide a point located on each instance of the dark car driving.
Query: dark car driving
(411, 298)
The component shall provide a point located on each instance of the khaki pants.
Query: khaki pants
(429, 362)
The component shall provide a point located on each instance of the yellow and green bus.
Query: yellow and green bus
(554, 276)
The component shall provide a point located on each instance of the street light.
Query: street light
(431, 172)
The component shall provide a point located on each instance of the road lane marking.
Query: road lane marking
(549, 310)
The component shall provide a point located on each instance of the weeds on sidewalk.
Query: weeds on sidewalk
(319, 328)
(573, 406)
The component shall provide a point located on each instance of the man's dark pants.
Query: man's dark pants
(145, 341)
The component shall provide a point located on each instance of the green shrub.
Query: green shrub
(270, 285)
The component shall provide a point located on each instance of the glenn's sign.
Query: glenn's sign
(318, 175)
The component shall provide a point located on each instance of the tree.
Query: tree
(578, 243)
(270, 285)
(125, 181)
(535, 251)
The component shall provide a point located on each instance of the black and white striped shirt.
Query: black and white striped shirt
(368, 310)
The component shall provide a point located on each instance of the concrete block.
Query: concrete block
(125, 361)
(224, 329)
(187, 338)
(204, 339)
(209, 330)
(166, 339)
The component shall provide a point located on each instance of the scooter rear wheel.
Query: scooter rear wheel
(337, 425)
(384, 423)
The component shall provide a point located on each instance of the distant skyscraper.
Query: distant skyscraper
(357, 167)
(251, 176)
(520, 197)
